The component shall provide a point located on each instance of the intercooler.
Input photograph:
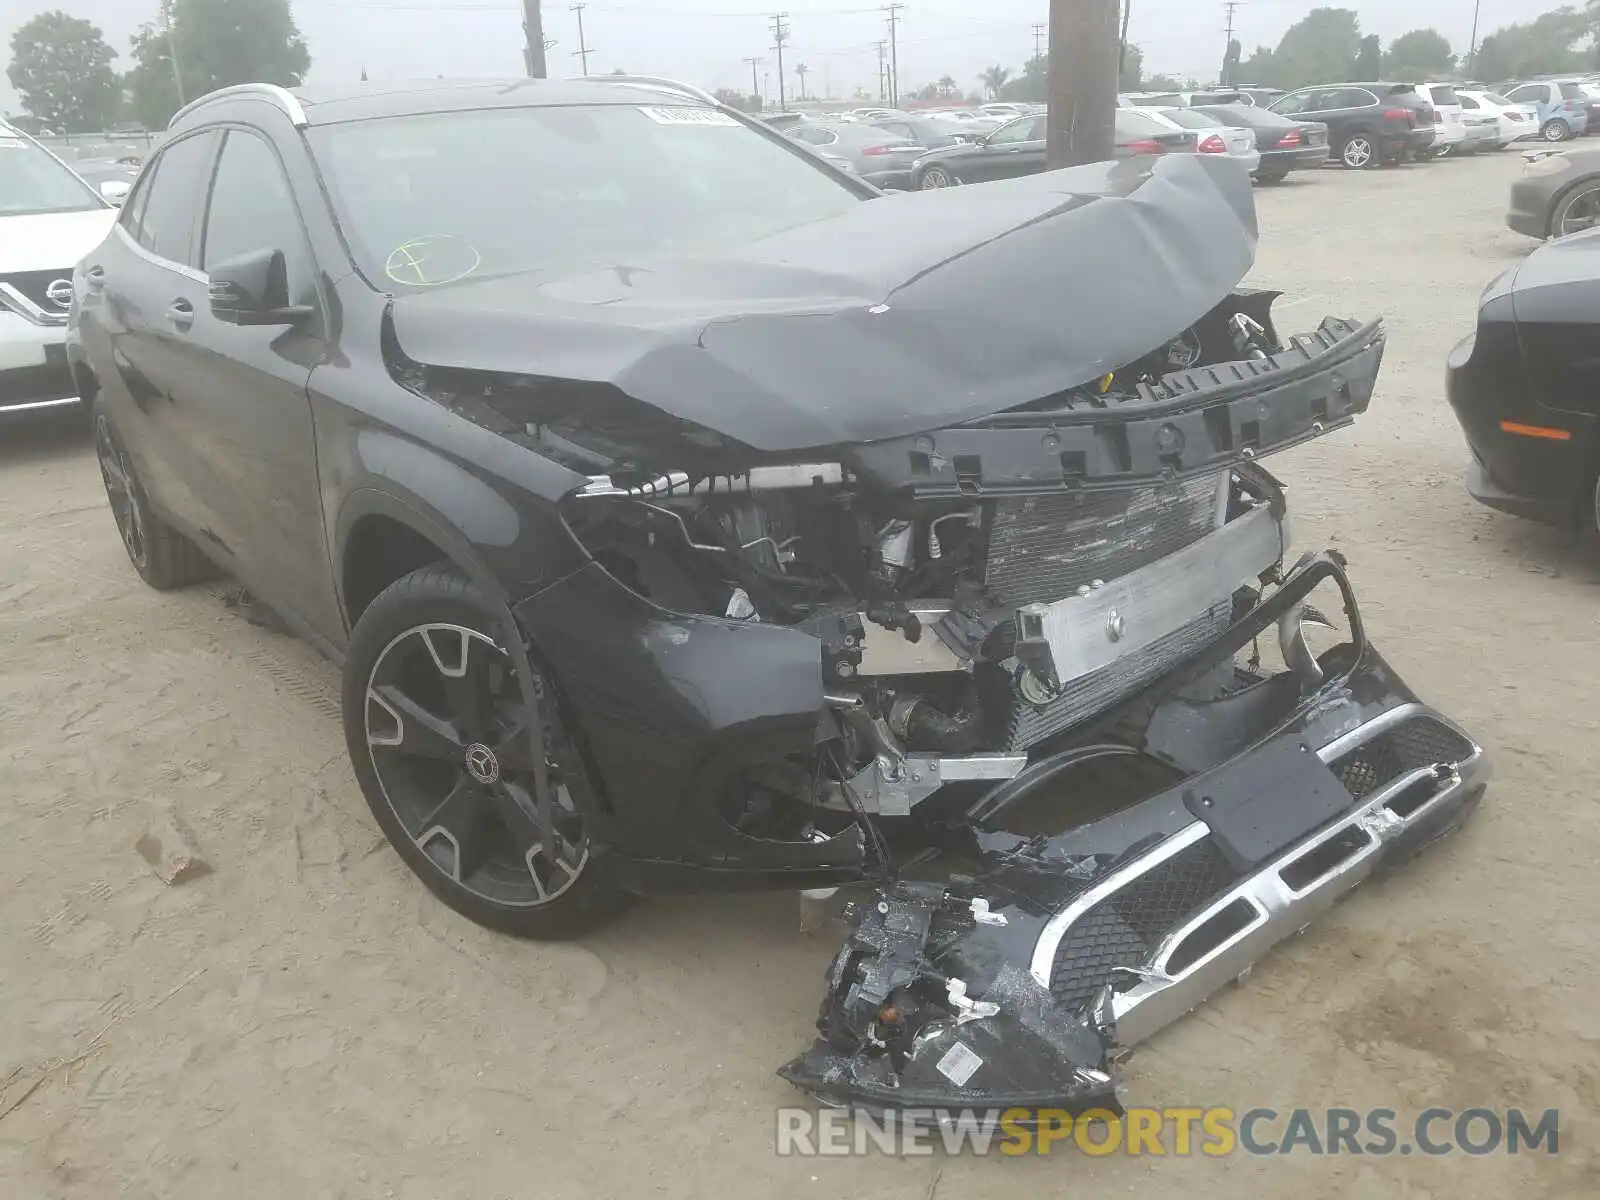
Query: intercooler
(1042, 548)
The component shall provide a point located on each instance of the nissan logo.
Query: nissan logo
(59, 293)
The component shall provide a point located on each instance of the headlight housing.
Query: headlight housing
(1549, 164)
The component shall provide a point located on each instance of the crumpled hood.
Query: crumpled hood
(908, 313)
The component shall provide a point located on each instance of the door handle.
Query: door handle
(181, 314)
(95, 278)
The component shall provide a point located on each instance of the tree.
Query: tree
(218, 42)
(1230, 63)
(1129, 78)
(1422, 54)
(1545, 45)
(1031, 85)
(1369, 58)
(994, 78)
(1162, 83)
(800, 74)
(1258, 69)
(1319, 48)
(947, 87)
(61, 68)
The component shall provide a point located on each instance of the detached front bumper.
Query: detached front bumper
(1017, 984)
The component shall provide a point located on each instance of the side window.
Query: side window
(253, 209)
(1468, 103)
(814, 136)
(1527, 93)
(132, 216)
(1294, 102)
(896, 127)
(1020, 130)
(167, 222)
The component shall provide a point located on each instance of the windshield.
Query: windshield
(1254, 118)
(1495, 98)
(32, 183)
(439, 198)
(1161, 100)
(1443, 94)
(1130, 124)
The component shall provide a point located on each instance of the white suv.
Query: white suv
(49, 219)
(1449, 129)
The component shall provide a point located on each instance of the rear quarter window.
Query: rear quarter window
(1572, 91)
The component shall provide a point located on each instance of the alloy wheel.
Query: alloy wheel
(936, 177)
(1555, 130)
(1357, 153)
(122, 491)
(447, 735)
(1579, 211)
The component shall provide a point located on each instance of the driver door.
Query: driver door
(1016, 148)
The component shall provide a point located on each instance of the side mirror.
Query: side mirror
(253, 289)
(115, 190)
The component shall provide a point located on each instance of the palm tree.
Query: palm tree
(947, 87)
(994, 79)
(800, 73)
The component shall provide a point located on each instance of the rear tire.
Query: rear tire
(1271, 178)
(164, 558)
(1358, 152)
(936, 177)
(1555, 130)
(433, 712)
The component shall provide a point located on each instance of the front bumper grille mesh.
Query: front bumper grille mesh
(1126, 926)
(1409, 746)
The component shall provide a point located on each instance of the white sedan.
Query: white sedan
(1518, 122)
(1212, 136)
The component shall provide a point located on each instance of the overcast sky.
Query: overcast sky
(705, 41)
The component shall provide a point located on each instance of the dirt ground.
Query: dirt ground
(307, 1022)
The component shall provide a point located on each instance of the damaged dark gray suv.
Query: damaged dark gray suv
(685, 514)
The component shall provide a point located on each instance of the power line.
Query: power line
(582, 52)
(894, 54)
(780, 34)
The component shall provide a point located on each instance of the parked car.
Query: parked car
(929, 133)
(882, 158)
(111, 178)
(49, 219)
(783, 120)
(627, 510)
(1449, 126)
(1563, 107)
(1516, 122)
(1214, 136)
(1558, 193)
(1522, 388)
(1006, 110)
(1191, 99)
(1369, 124)
(1018, 148)
(1285, 144)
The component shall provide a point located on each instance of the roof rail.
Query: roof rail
(657, 81)
(281, 97)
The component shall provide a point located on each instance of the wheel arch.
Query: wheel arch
(382, 536)
(1560, 197)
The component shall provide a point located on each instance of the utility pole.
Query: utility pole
(755, 88)
(780, 34)
(533, 30)
(1227, 47)
(1472, 49)
(883, 73)
(582, 52)
(1082, 82)
(894, 54)
(172, 52)
(1038, 39)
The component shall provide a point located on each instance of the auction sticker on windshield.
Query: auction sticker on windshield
(683, 115)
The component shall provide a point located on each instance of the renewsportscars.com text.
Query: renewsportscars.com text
(1178, 1132)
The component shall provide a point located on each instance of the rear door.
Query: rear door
(251, 412)
(150, 292)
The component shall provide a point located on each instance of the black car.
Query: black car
(927, 132)
(685, 513)
(1286, 145)
(1369, 124)
(1018, 148)
(1521, 386)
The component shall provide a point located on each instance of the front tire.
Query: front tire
(164, 558)
(435, 723)
(936, 177)
(1577, 210)
(1555, 130)
(1358, 153)
(1271, 178)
